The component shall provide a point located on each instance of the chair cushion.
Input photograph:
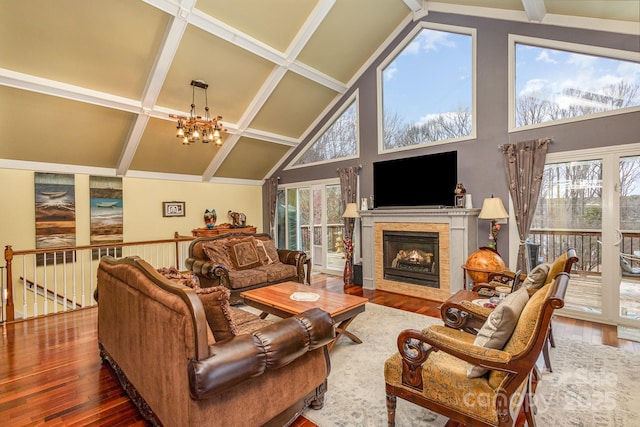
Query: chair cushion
(537, 278)
(499, 326)
(244, 253)
(626, 266)
(278, 272)
(218, 311)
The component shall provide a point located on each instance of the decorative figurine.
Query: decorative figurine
(210, 218)
(460, 193)
(238, 219)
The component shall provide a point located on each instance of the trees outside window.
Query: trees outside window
(427, 90)
(553, 84)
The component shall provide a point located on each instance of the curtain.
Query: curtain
(348, 193)
(524, 167)
(271, 185)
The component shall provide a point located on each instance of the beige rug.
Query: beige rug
(592, 385)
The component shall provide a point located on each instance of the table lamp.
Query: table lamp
(351, 211)
(493, 210)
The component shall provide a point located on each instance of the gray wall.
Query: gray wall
(479, 161)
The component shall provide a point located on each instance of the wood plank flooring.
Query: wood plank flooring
(51, 373)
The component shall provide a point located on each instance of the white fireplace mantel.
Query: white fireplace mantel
(463, 237)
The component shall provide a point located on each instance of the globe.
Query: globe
(481, 263)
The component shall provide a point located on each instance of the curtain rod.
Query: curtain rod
(548, 140)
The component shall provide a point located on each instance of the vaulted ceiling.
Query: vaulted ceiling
(87, 86)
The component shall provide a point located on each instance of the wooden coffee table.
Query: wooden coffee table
(275, 299)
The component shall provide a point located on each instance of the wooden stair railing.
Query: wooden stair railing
(9, 255)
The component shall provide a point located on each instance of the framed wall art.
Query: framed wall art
(173, 209)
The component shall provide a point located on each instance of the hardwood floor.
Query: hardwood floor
(51, 373)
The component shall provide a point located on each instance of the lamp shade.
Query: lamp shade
(351, 211)
(492, 208)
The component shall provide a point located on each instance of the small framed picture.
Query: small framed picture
(459, 201)
(173, 208)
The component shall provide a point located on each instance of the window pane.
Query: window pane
(339, 141)
(304, 208)
(280, 221)
(427, 90)
(292, 218)
(555, 84)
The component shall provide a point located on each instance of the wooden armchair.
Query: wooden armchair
(563, 263)
(430, 368)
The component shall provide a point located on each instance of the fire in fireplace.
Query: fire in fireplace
(411, 257)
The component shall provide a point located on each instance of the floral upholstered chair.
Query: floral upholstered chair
(476, 380)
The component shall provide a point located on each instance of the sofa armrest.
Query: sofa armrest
(208, 269)
(296, 258)
(246, 356)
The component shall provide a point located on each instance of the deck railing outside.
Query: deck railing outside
(42, 281)
(586, 243)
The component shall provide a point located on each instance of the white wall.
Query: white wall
(142, 200)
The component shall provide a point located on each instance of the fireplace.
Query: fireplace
(411, 257)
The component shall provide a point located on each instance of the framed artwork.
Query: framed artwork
(173, 209)
(55, 207)
(106, 206)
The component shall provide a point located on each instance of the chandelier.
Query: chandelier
(198, 128)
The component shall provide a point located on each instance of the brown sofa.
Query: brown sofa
(243, 261)
(186, 357)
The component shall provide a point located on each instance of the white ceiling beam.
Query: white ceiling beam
(157, 76)
(414, 5)
(131, 144)
(535, 9)
(63, 90)
(315, 18)
(219, 158)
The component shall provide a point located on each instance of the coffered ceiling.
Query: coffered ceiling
(87, 86)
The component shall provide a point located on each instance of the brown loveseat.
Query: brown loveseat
(183, 359)
(243, 261)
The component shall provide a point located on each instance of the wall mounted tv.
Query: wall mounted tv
(422, 181)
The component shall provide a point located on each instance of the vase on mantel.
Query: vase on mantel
(210, 218)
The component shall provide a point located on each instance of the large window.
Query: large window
(560, 81)
(427, 89)
(339, 141)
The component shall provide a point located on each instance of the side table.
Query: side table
(222, 229)
(453, 317)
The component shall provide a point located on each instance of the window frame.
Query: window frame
(472, 32)
(604, 52)
(353, 98)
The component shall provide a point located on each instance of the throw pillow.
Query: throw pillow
(270, 247)
(499, 326)
(218, 254)
(215, 301)
(262, 251)
(244, 253)
(173, 274)
(537, 277)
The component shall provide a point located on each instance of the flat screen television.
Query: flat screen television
(422, 181)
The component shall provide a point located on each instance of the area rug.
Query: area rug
(591, 385)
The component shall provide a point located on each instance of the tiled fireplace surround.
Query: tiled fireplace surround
(458, 237)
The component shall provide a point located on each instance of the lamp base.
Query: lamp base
(348, 272)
